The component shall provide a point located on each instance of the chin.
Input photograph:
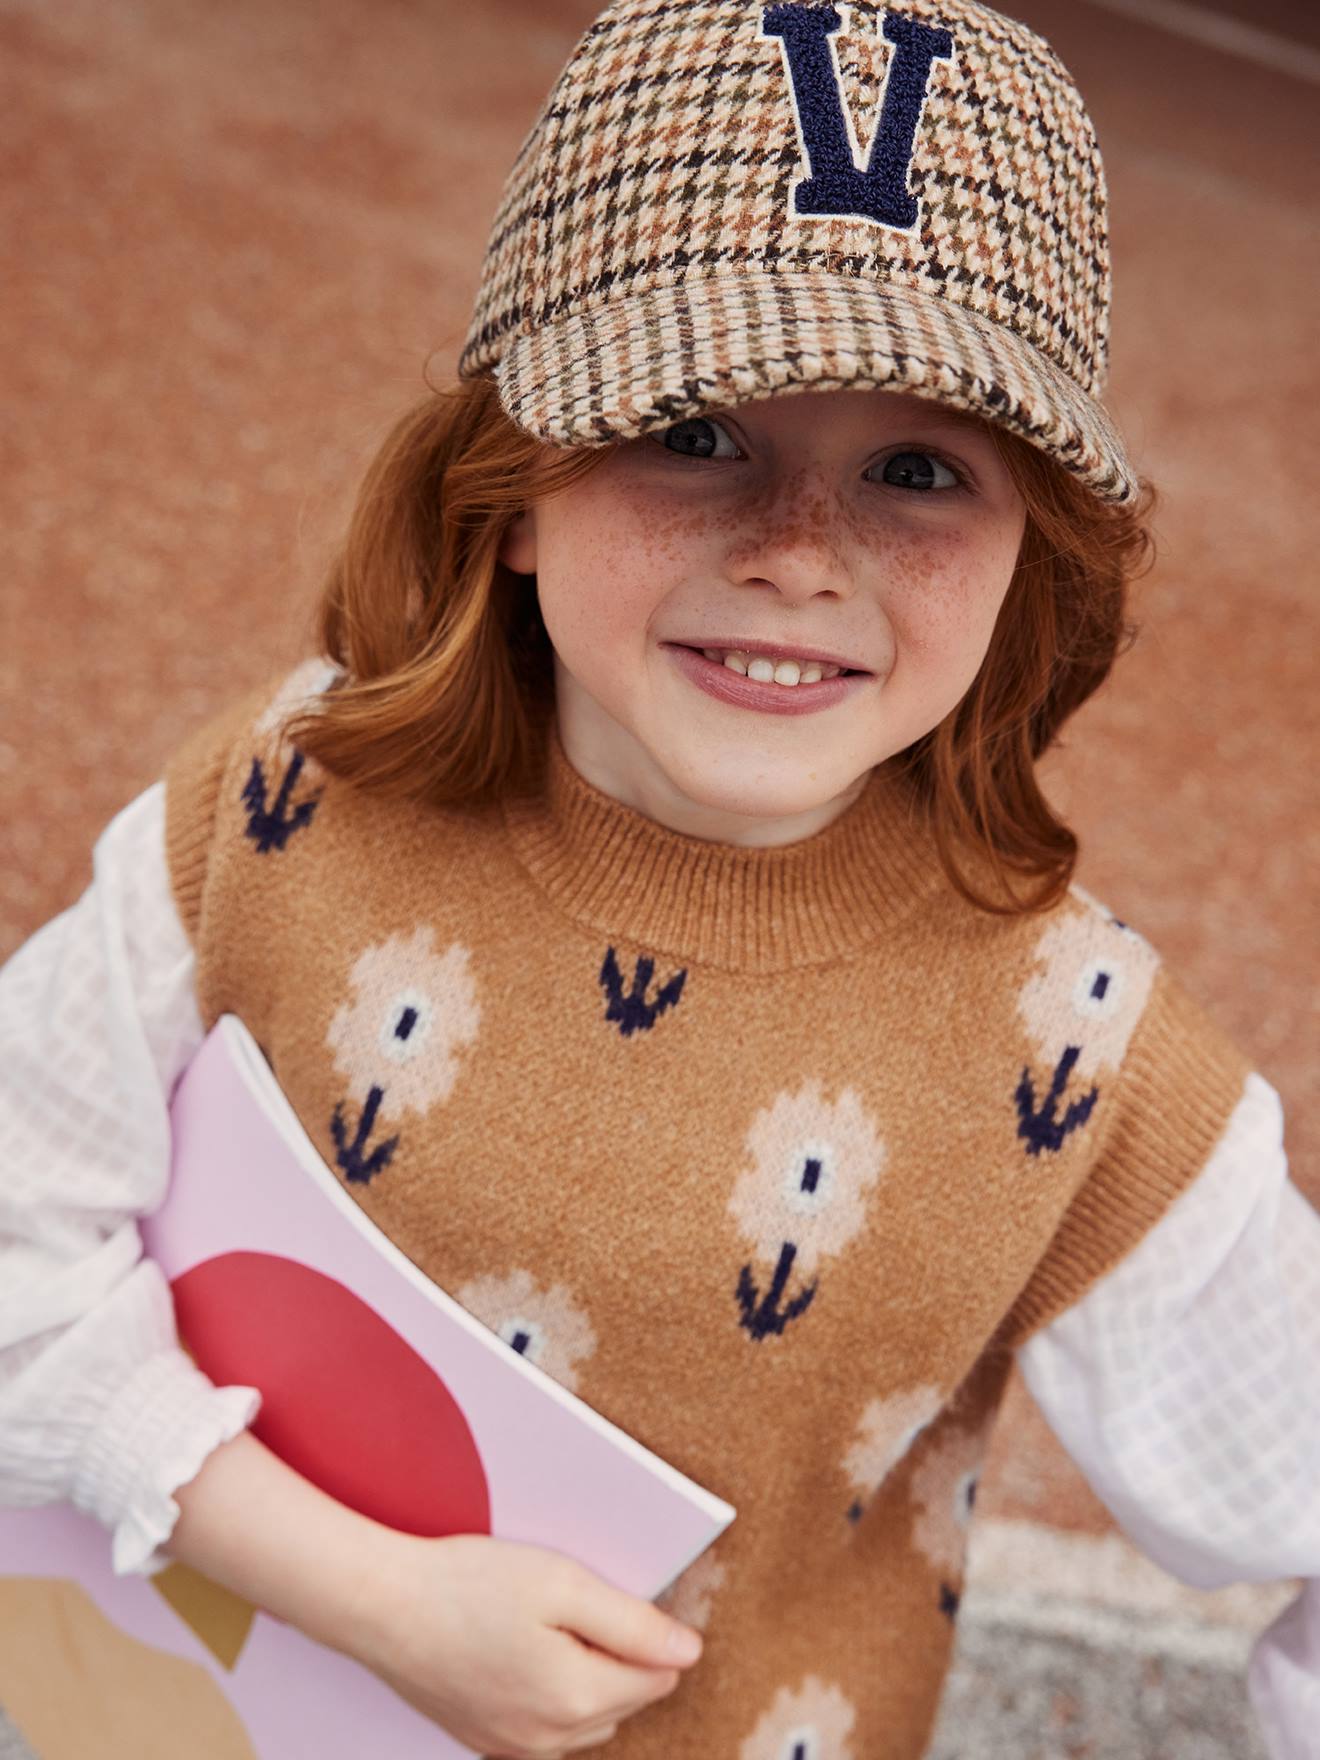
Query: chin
(745, 793)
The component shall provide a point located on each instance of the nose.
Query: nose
(792, 544)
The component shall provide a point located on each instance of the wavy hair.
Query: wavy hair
(447, 661)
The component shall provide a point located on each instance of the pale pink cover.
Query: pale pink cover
(247, 1180)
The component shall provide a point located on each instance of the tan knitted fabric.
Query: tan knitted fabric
(722, 199)
(770, 1155)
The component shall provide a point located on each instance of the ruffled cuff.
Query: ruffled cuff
(154, 1437)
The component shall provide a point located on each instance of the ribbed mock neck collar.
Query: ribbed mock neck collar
(613, 869)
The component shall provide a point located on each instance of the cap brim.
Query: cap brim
(656, 356)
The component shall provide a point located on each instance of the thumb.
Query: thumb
(635, 1630)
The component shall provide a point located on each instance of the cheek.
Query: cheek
(604, 562)
(607, 562)
(946, 593)
(668, 538)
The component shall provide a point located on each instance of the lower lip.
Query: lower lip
(721, 681)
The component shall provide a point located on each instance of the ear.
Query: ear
(518, 545)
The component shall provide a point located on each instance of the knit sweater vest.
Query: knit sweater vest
(773, 1156)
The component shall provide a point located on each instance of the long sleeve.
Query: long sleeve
(1186, 1387)
(98, 1403)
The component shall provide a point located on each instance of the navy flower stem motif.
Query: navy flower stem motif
(271, 827)
(349, 1156)
(1042, 1127)
(764, 1316)
(632, 1011)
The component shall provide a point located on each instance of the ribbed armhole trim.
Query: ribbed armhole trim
(1181, 1080)
(194, 777)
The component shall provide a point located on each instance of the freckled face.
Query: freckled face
(873, 525)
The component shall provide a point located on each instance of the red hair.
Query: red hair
(447, 660)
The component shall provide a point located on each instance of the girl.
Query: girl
(647, 902)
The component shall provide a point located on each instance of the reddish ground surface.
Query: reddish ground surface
(235, 234)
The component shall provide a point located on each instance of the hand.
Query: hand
(518, 1652)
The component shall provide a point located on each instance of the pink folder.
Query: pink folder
(376, 1385)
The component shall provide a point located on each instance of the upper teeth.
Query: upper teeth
(767, 670)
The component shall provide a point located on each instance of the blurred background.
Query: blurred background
(235, 236)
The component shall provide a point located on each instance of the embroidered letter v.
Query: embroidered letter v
(836, 186)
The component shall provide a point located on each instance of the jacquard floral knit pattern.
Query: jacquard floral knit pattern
(886, 1431)
(544, 1325)
(812, 1719)
(398, 1041)
(691, 1596)
(785, 1231)
(283, 785)
(302, 689)
(721, 199)
(804, 1197)
(1092, 983)
(944, 1490)
(413, 1010)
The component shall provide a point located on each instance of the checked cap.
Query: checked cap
(722, 200)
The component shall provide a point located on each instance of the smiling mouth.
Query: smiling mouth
(740, 660)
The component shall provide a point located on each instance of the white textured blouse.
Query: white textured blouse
(1185, 1384)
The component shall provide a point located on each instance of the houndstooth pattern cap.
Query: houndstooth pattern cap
(722, 200)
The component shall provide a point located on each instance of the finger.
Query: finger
(634, 1630)
(620, 1688)
(619, 1691)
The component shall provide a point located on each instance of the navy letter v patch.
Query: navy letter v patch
(835, 185)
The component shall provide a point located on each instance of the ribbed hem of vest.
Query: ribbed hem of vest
(611, 868)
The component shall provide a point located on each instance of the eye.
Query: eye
(916, 470)
(695, 438)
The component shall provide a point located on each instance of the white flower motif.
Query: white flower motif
(308, 681)
(887, 1429)
(302, 689)
(547, 1327)
(690, 1596)
(1091, 986)
(943, 1490)
(813, 1166)
(412, 1011)
(813, 1723)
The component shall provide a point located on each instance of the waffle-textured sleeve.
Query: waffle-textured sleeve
(98, 1018)
(1185, 1385)
(1181, 1081)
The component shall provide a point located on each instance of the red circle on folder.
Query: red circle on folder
(345, 1401)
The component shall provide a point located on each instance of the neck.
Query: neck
(625, 875)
